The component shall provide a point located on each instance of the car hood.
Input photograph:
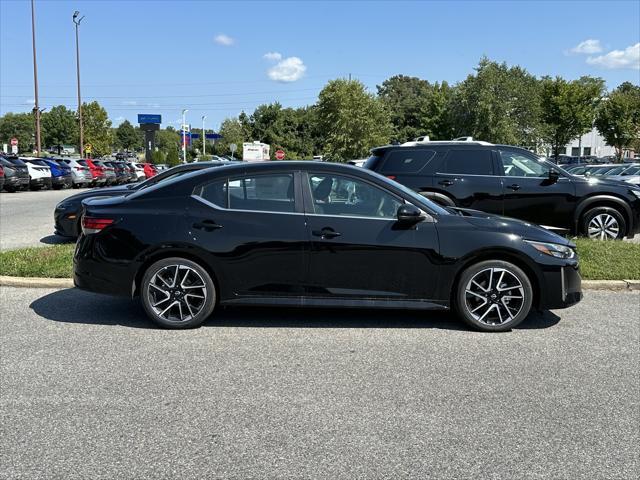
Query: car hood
(603, 182)
(496, 223)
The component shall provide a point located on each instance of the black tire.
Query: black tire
(511, 311)
(599, 216)
(151, 295)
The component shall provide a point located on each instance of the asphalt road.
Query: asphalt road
(26, 218)
(90, 390)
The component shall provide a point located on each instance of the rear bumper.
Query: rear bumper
(40, 182)
(99, 275)
(61, 181)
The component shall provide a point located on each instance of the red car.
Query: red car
(1, 178)
(97, 172)
(150, 170)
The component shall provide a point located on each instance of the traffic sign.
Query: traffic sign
(280, 154)
(14, 142)
(233, 147)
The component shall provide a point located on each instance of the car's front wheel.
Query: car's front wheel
(177, 293)
(493, 296)
(604, 223)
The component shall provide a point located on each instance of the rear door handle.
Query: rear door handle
(446, 183)
(326, 233)
(514, 187)
(207, 225)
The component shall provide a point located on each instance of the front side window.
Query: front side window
(213, 192)
(518, 165)
(338, 195)
(468, 162)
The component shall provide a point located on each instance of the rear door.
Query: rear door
(468, 176)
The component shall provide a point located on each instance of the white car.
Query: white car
(139, 170)
(39, 173)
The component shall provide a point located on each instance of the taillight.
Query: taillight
(95, 225)
(391, 177)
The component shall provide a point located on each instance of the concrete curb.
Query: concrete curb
(37, 282)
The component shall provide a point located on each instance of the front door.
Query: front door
(358, 248)
(529, 193)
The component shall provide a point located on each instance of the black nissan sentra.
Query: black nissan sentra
(313, 234)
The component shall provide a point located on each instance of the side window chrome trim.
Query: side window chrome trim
(221, 209)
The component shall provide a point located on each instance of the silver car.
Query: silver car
(81, 174)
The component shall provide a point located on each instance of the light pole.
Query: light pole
(77, 21)
(184, 136)
(204, 138)
(36, 109)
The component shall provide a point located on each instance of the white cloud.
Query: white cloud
(273, 56)
(288, 69)
(225, 40)
(588, 46)
(627, 58)
(30, 101)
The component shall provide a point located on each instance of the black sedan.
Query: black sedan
(316, 234)
(67, 213)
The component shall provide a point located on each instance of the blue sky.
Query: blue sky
(162, 56)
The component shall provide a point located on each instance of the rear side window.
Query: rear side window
(214, 192)
(469, 162)
(406, 161)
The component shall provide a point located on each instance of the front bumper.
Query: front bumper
(562, 287)
(66, 223)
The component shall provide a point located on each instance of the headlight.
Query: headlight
(635, 192)
(553, 249)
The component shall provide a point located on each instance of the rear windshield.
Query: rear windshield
(83, 163)
(39, 162)
(17, 161)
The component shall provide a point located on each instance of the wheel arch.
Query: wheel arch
(195, 254)
(610, 201)
(505, 255)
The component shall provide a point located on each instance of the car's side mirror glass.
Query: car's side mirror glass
(409, 214)
(554, 175)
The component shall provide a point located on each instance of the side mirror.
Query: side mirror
(409, 214)
(554, 176)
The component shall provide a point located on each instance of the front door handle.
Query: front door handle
(446, 183)
(207, 225)
(326, 233)
(514, 187)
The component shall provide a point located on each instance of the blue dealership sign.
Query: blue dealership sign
(149, 118)
(212, 136)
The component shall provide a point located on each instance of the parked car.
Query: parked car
(149, 170)
(98, 174)
(139, 170)
(66, 216)
(163, 166)
(109, 173)
(61, 176)
(80, 172)
(122, 176)
(39, 173)
(1, 178)
(511, 181)
(16, 174)
(294, 233)
(630, 175)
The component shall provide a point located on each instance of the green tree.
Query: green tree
(20, 126)
(97, 129)
(568, 109)
(157, 157)
(232, 131)
(351, 120)
(498, 104)
(59, 127)
(172, 159)
(618, 118)
(126, 136)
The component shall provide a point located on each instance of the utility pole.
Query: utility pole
(36, 108)
(204, 138)
(184, 136)
(77, 22)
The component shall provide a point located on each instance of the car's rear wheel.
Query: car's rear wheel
(177, 293)
(604, 223)
(494, 296)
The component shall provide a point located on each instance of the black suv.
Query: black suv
(514, 182)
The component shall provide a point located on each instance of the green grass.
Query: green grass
(52, 262)
(607, 260)
(598, 261)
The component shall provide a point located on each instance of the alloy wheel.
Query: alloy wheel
(603, 227)
(494, 296)
(177, 293)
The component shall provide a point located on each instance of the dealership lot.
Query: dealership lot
(95, 392)
(26, 218)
